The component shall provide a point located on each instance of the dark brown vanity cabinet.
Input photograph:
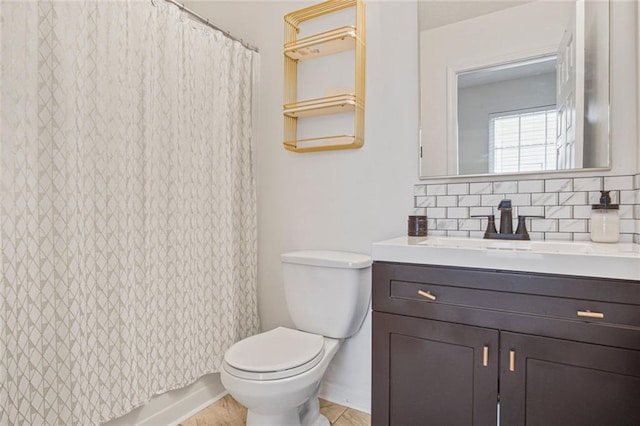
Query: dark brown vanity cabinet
(423, 368)
(449, 344)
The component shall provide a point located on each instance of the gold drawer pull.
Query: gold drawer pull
(512, 360)
(589, 314)
(426, 294)
(485, 356)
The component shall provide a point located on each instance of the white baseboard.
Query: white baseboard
(348, 397)
(175, 406)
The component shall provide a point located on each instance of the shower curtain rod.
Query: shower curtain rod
(208, 23)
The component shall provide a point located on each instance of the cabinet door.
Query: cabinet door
(559, 382)
(431, 373)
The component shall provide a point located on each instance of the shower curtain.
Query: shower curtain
(128, 211)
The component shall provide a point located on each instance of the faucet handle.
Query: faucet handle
(491, 224)
(522, 225)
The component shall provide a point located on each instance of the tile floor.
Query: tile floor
(227, 412)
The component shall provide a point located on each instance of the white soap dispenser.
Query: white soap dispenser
(605, 221)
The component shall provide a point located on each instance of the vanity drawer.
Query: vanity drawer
(500, 299)
(520, 303)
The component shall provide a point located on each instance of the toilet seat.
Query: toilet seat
(275, 354)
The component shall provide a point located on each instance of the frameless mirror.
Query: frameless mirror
(513, 86)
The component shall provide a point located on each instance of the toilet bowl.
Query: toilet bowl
(282, 389)
(277, 374)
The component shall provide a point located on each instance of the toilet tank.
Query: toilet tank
(327, 292)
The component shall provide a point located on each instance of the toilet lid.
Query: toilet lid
(281, 352)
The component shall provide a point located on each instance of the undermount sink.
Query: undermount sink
(580, 258)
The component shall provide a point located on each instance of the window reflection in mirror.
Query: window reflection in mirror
(507, 118)
(537, 69)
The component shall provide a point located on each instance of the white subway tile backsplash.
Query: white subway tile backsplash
(572, 225)
(519, 199)
(471, 224)
(531, 186)
(505, 187)
(544, 225)
(626, 238)
(458, 189)
(581, 236)
(593, 197)
(627, 197)
(436, 212)
(428, 201)
(558, 185)
(491, 200)
(480, 211)
(557, 212)
(612, 183)
(437, 189)
(419, 190)
(626, 211)
(566, 203)
(530, 211)
(544, 199)
(572, 198)
(539, 236)
(458, 213)
(480, 188)
(446, 201)
(582, 212)
(447, 224)
(468, 200)
(587, 184)
(627, 226)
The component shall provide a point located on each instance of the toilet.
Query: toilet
(277, 374)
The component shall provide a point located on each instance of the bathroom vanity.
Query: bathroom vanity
(478, 332)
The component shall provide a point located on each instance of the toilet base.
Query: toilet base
(288, 419)
(320, 421)
(308, 414)
(284, 419)
(280, 419)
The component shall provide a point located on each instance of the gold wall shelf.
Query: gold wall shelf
(322, 106)
(330, 42)
(318, 45)
(327, 143)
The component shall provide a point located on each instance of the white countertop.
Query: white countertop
(620, 260)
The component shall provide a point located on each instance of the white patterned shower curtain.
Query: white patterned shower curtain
(128, 212)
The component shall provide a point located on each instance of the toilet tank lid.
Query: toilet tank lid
(328, 258)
